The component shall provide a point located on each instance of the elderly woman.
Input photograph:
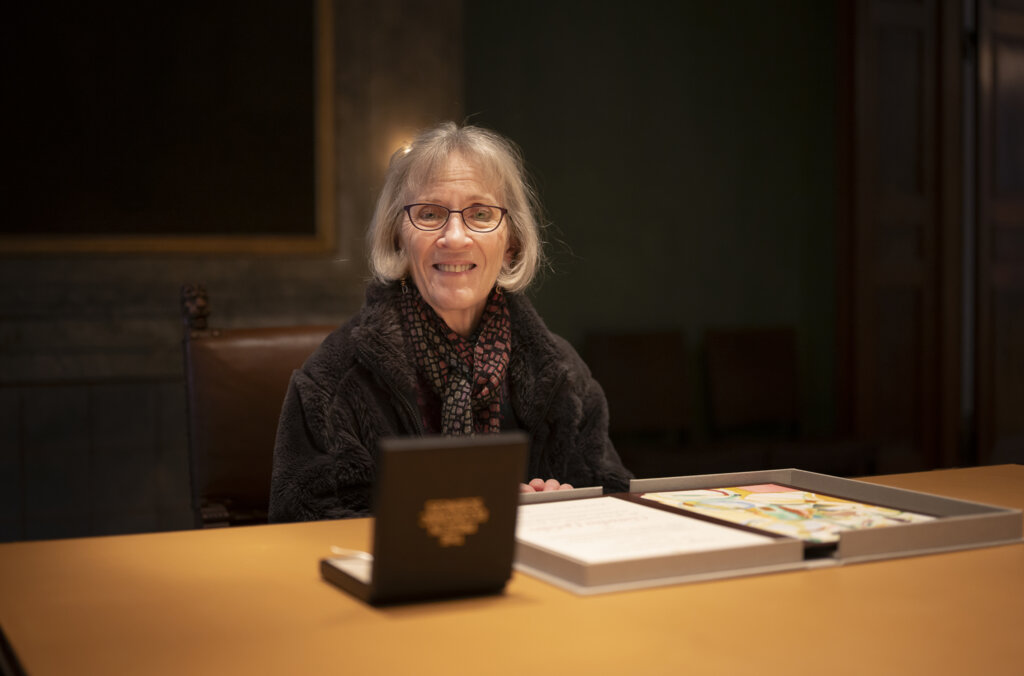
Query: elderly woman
(446, 342)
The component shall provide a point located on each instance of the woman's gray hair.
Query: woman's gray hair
(414, 166)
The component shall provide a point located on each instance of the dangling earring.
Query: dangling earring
(405, 289)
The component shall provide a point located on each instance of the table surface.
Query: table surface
(250, 600)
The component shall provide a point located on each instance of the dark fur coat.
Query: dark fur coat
(360, 384)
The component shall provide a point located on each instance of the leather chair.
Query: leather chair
(754, 402)
(236, 380)
(752, 382)
(644, 378)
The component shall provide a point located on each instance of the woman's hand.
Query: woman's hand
(538, 485)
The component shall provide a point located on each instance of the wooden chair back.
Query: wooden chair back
(236, 380)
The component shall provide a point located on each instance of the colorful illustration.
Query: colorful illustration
(812, 517)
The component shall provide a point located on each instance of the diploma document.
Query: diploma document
(607, 529)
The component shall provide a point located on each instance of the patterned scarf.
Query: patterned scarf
(467, 375)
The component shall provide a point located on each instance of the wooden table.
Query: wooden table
(250, 600)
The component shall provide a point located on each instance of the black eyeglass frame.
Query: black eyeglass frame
(461, 212)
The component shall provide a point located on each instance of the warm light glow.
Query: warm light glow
(398, 140)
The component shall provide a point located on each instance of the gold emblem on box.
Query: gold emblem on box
(450, 520)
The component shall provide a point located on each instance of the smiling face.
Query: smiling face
(455, 268)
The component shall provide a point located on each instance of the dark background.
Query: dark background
(686, 154)
(159, 118)
(817, 166)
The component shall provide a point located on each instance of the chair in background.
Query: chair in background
(644, 378)
(754, 404)
(752, 383)
(236, 380)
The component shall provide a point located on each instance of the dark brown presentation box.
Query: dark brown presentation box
(958, 524)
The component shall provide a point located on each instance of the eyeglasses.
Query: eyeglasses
(478, 218)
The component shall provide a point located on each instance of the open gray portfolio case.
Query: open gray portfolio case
(692, 528)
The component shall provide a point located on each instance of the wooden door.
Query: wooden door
(900, 225)
(1000, 280)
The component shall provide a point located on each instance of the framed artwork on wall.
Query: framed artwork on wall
(170, 127)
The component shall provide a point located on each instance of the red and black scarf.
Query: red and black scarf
(467, 375)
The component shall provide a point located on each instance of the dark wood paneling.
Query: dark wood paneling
(1008, 383)
(173, 499)
(92, 458)
(58, 469)
(901, 360)
(896, 388)
(902, 125)
(953, 172)
(11, 489)
(124, 456)
(1000, 355)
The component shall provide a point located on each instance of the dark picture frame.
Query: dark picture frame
(171, 127)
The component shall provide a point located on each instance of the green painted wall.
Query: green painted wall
(685, 153)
